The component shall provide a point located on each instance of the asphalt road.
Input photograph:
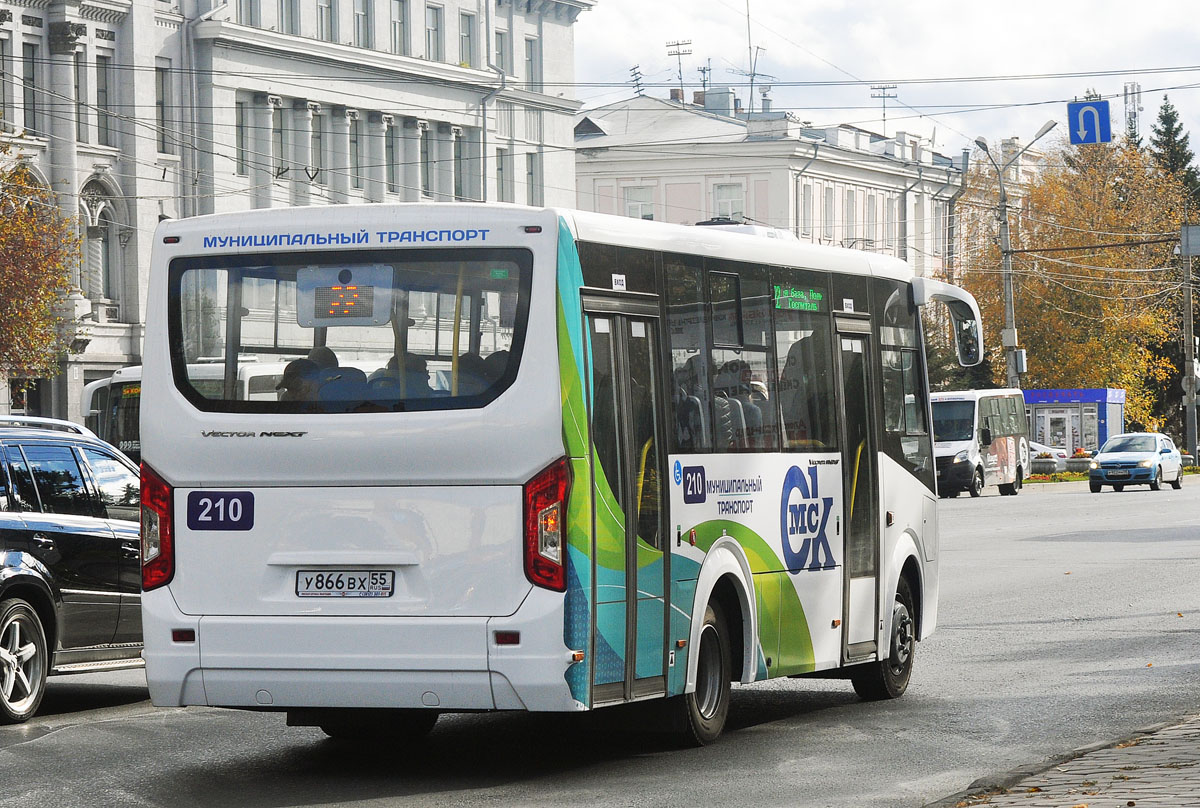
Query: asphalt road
(1067, 618)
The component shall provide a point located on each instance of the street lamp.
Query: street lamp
(1009, 336)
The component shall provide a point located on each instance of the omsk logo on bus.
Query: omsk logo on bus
(803, 518)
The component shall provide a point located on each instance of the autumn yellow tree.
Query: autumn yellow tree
(38, 247)
(1093, 315)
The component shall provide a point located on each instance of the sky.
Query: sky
(961, 69)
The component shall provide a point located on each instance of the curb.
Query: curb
(1003, 781)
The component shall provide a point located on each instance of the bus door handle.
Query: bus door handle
(42, 541)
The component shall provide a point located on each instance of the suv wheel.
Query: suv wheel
(23, 661)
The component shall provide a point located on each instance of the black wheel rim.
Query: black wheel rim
(902, 640)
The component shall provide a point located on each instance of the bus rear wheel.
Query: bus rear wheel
(704, 711)
(1013, 488)
(888, 679)
(368, 726)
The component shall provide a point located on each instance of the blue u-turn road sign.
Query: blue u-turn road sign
(1088, 122)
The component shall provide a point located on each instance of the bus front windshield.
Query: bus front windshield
(953, 420)
(123, 430)
(350, 332)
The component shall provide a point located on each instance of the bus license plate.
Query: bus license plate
(345, 583)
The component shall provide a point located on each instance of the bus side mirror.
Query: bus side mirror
(964, 312)
(985, 436)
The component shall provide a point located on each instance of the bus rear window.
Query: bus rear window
(363, 331)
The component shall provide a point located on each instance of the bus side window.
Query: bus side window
(806, 381)
(691, 389)
(906, 437)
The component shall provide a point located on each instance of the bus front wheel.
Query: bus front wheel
(888, 679)
(705, 709)
(976, 483)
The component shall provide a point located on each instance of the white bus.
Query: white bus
(980, 439)
(595, 461)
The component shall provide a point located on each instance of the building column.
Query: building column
(413, 130)
(443, 166)
(262, 165)
(374, 182)
(339, 154)
(302, 122)
(58, 118)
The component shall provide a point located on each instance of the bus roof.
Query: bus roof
(375, 225)
(974, 395)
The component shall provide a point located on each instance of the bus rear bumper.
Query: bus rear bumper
(441, 663)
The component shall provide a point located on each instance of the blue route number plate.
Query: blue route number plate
(220, 510)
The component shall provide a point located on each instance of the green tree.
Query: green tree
(38, 247)
(1171, 152)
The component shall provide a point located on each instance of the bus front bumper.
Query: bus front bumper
(440, 663)
(954, 476)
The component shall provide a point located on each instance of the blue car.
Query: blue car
(1136, 458)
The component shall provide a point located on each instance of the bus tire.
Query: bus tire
(1094, 487)
(705, 709)
(976, 483)
(1013, 488)
(370, 726)
(1156, 483)
(24, 661)
(888, 678)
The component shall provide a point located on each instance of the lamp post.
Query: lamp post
(1009, 336)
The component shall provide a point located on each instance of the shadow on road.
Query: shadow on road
(77, 694)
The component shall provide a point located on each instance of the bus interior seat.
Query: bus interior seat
(472, 374)
(495, 364)
(342, 388)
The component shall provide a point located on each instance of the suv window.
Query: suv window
(119, 489)
(23, 496)
(59, 480)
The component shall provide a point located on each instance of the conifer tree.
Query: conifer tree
(1169, 146)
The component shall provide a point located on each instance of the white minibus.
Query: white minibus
(530, 459)
(981, 438)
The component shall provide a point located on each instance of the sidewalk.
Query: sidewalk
(1158, 767)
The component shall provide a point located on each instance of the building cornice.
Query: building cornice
(109, 12)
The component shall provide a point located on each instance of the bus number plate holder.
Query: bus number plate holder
(329, 583)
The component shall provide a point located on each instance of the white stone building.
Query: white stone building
(687, 162)
(134, 112)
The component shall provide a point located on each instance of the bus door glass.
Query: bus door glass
(861, 486)
(631, 602)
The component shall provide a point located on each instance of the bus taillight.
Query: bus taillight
(158, 548)
(545, 512)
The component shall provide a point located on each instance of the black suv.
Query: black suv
(70, 573)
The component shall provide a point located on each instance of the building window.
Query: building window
(29, 63)
(316, 149)
(5, 85)
(390, 158)
(534, 194)
(872, 220)
(81, 116)
(466, 40)
(104, 128)
(806, 209)
(426, 162)
(460, 167)
(505, 115)
(939, 228)
(827, 214)
(502, 52)
(504, 175)
(289, 16)
(400, 27)
(729, 202)
(533, 65)
(277, 139)
(639, 202)
(849, 232)
(327, 20)
(889, 222)
(162, 107)
(433, 34)
(363, 24)
(356, 154)
(240, 136)
(248, 12)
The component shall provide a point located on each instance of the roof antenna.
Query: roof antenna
(679, 49)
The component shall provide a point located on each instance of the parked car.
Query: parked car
(1059, 456)
(70, 569)
(1136, 458)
